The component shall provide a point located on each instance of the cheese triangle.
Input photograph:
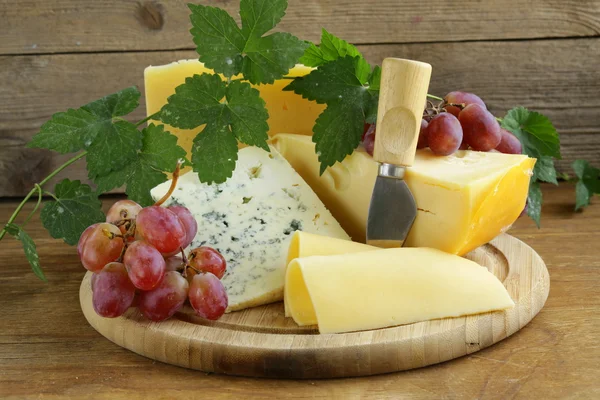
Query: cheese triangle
(250, 219)
(388, 287)
(463, 200)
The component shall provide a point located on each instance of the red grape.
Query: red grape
(161, 228)
(173, 263)
(188, 221)
(113, 292)
(207, 296)
(509, 144)
(96, 249)
(463, 146)
(145, 265)
(465, 98)
(422, 143)
(84, 235)
(123, 209)
(207, 259)
(166, 299)
(480, 128)
(93, 280)
(444, 134)
(369, 139)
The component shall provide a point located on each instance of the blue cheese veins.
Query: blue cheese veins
(250, 219)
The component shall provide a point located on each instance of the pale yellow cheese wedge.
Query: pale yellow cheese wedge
(288, 112)
(306, 244)
(388, 287)
(463, 200)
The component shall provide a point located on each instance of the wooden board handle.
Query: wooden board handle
(402, 98)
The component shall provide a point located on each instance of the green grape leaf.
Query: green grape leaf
(534, 202)
(214, 153)
(113, 149)
(160, 153)
(588, 183)
(535, 131)
(544, 170)
(28, 247)
(76, 129)
(227, 49)
(337, 132)
(343, 85)
(331, 49)
(196, 102)
(75, 208)
(341, 80)
(375, 78)
(247, 114)
(233, 109)
(313, 56)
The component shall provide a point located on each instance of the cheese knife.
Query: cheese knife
(402, 98)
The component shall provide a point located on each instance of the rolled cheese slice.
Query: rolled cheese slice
(306, 244)
(388, 287)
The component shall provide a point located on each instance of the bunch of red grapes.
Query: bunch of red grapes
(460, 122)
(135, 261)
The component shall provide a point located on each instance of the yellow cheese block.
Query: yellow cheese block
(288, 112)
(306, 244)
(388, 287)
(463, 200)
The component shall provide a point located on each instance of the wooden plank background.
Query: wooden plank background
(542, 54)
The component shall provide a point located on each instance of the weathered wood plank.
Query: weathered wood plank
(50, 26)
(557, 77)
(554, 357)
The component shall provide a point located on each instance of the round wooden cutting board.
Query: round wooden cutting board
(261, 342)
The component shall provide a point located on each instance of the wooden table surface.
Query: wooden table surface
(60, 54)
(47, 349)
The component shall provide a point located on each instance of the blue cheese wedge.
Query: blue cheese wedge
(250, 219)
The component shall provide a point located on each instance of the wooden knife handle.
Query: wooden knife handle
(402, 98)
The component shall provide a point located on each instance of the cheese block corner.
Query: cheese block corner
(251, 219)
(389, 287)
(463, 200)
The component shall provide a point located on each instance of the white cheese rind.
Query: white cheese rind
(250, 219)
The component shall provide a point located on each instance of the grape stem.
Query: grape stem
(173, 184)
(434, 97)
(37, 205)
(37, 188)
(187, 263)
(111, 235)
(148, 118)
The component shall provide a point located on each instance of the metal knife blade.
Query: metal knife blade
(392, 211)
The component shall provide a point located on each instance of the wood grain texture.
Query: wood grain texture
(48, 350)
(51, 26)
(261, 342)
(559, 78)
